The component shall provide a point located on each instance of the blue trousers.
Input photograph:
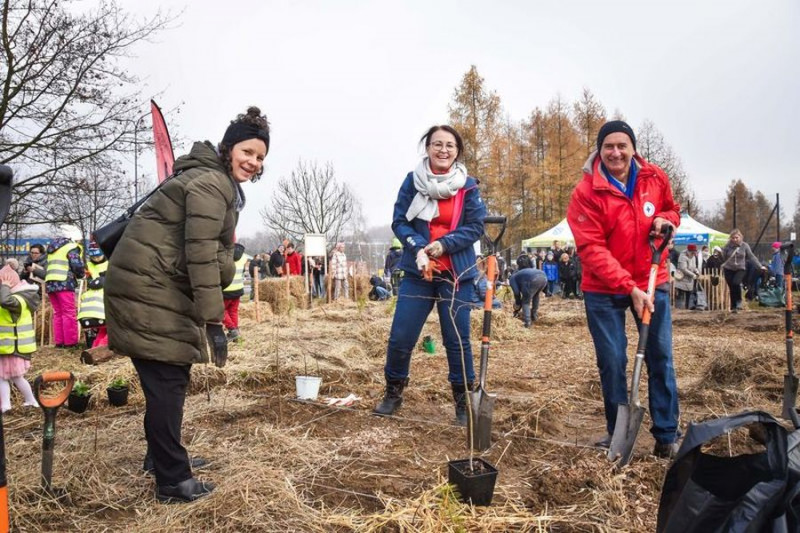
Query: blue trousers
(414, 303)
(605, 314)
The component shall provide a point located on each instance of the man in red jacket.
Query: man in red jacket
(622, 199)
(294, 261)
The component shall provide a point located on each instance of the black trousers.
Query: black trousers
(164, 388)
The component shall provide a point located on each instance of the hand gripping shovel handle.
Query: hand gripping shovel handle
(50, 405)
(629, 417)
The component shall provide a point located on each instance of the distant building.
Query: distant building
(12, 247)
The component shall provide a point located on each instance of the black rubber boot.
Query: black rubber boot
(392, 398)
(460, 398)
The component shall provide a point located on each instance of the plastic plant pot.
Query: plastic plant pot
(475, 482)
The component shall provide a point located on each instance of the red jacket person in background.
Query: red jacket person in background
(614, 208)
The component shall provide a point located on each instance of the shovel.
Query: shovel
(790, 380)
(6, 179)
(629, 415)
(479, 423)
(50, 405)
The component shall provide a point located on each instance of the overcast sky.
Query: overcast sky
(356, 83)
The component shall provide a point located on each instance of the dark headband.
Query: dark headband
(241, 131)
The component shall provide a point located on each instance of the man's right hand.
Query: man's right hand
(640, 299)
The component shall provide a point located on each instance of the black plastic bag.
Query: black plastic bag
(749, 493)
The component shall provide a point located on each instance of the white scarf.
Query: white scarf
(433, 187)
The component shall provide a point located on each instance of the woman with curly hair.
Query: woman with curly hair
(164, 288)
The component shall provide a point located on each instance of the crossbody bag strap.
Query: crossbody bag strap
(132, 209)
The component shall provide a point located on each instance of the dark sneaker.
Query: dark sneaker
(195, 462)
(184, 492)
(605, 442)
(666, 450)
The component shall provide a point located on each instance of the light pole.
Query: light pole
(136, 156)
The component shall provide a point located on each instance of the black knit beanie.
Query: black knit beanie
(615, 126)
(242, 131)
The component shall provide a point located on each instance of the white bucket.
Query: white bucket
(307, 387)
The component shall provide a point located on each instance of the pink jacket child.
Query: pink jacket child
(18, 301)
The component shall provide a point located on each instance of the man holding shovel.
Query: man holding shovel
(621, 199)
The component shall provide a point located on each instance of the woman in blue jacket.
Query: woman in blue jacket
(438, 216)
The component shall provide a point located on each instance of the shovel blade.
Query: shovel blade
(789, 395)
(480, 429)
(629, 420)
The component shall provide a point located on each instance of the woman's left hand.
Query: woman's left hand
(435, 249)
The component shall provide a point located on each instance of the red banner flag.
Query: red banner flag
(164, 154)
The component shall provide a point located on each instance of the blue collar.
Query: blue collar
(625, 188)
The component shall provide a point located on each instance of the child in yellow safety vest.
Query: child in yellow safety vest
(18, 301)
(232, 294)
(91, 310)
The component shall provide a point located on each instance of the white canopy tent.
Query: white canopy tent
(693, 232)
(689, 232)
(560, 232)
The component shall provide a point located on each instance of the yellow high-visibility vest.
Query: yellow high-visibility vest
(58, 263)
(238, 278)
(95, 269)
(20, 334)
(91, 305)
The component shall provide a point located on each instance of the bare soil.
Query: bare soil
(286, 465)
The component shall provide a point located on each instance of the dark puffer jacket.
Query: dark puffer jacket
(165, 279)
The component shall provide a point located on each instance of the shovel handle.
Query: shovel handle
(644, 328)
(53, 377)
(496, 241)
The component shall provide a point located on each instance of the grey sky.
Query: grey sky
(356, 83)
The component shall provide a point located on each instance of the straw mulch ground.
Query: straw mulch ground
(284, 465)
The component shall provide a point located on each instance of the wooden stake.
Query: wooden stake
(255, 293)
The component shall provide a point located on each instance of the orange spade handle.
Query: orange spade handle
(54, 377)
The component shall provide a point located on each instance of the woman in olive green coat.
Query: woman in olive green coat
(163, 288)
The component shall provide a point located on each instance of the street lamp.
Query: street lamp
(136, 156)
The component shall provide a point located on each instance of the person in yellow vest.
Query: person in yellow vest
(233, 293)
(64, 267)
(18, 301)
(91, 312)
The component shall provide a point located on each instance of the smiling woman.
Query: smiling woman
(163, 289)
(437, 217)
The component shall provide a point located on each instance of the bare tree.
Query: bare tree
(65, 97)
(589, 116)
(311, 200)
(796, 218)
(651, 145)
(88, 196)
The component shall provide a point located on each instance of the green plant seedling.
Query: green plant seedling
(119, 383)
(80, 389)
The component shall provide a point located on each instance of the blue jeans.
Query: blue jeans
(605, 314)
(414, 303)
(552, 286)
